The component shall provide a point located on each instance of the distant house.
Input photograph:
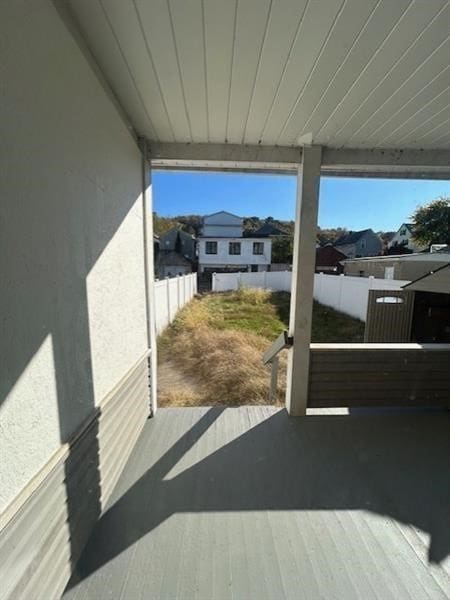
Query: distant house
(407, 267)
(177, 253)
(269, 230)
(359, 243)
(404, 238)
(172, 264)
(329, 260)
(222, 247)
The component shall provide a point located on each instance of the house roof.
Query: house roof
(329, 256)
(351, 238)
(437, 281)
(415, 256)
(222, 212)
(267, 230)
(172, 234)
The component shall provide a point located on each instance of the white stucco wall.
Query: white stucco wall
(224, 258)
(71, 247)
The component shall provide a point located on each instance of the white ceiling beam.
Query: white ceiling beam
(407, 163)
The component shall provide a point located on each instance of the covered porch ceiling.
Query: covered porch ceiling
(345, 74)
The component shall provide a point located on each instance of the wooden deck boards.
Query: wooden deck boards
(247, 503)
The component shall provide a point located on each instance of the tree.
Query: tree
(396, 249)
(330, 235)
(431, 222)
(282, 250)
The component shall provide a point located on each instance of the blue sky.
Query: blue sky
(382, 204)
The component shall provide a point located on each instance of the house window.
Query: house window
(258, 247)
(363, 243)
(234, 248)
(211, 248)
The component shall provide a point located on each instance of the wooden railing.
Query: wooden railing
(271, 356)
(358, 375)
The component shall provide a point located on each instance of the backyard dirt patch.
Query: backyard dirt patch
(212, 353)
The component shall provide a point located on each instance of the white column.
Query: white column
(147, 215)
(303, 266)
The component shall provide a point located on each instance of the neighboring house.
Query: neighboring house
(222, 247)
(406, 267)
(172, 264)
(404, 238)
(177, 240)
(359, 243)
(177, 253)
(329, 260)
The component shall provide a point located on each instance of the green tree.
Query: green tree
(431, 222)
(282, 250)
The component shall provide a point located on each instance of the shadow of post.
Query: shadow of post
(394, 465)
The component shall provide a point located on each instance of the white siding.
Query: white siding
(223, 258)
(222, 230)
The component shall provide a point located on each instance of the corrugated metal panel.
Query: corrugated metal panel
(389, 321)
(40, 544)
(384, 375)
(342, 73)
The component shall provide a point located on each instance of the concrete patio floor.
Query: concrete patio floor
(248, 503)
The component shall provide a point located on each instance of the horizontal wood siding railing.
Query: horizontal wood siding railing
(379, 375)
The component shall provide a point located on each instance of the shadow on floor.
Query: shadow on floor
(394, 465)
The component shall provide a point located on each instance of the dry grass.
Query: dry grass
(217, 341)
(225, 364)
(176, 396)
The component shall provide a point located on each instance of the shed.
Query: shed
(431, 315)
(420, 312)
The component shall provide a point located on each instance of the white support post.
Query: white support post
(147, 212)
(303, 268)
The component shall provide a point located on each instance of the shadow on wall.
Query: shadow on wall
(392, 465)
(48, 248)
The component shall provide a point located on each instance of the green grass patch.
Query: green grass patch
(266, 314)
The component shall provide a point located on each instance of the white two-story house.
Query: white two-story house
(404, 237)
(222, 246)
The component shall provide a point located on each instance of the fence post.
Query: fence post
(168, 299)
(178, 292)
(239, 280)
(184, 290)
(341, 285)
(320, 286)
(214, 284)
(265, 279)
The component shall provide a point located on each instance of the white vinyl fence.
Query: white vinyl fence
(171, 295)
(270, 280)
(348, 295)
